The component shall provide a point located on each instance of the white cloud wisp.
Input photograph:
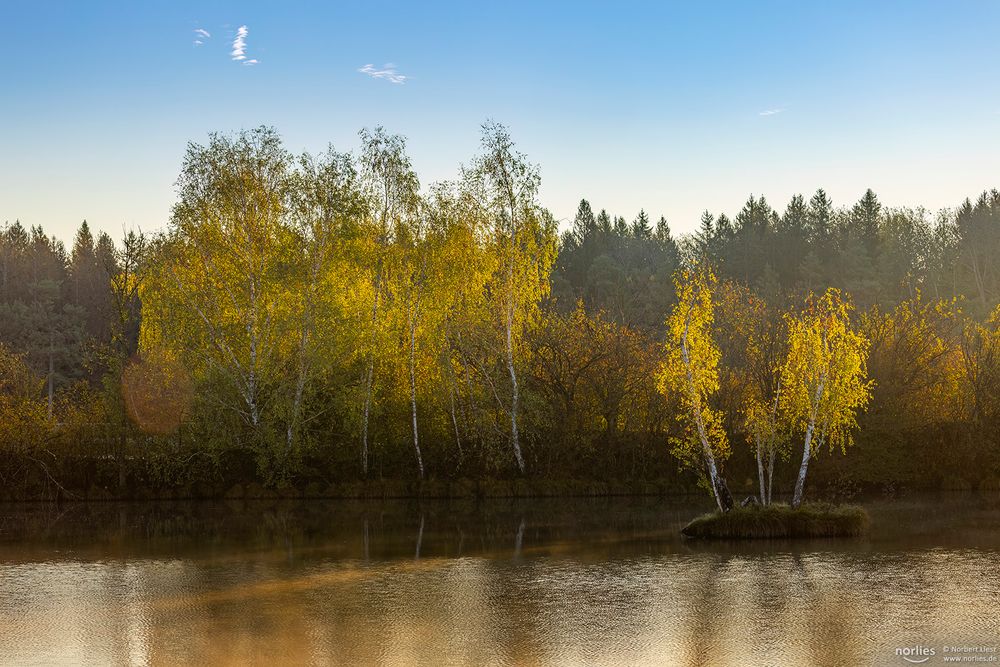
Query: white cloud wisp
(388, 72)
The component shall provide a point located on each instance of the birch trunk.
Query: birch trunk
(770, 476)
(706, 448)
(515, 398)
(413, 388)
(760, 472)
(807, 447)
(765, 495)
(308, 309)
(800, 482)
(451, 395)
(369, 378)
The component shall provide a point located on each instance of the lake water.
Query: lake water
(531, 582)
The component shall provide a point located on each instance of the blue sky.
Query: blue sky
(662, 106)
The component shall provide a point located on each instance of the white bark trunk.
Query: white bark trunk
(800, 482)
(770, 475)
(370, 378)
(515, 398)
(413, 390)
(454, 418)
(807, 447)
(760, 473)
(706, 449)
(319, 255)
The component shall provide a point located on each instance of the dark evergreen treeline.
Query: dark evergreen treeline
(878, 255)
(925, 287)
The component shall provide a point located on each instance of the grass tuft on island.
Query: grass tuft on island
(780, 521)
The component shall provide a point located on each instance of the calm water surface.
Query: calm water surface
(543, 582)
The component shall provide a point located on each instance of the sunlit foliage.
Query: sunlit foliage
(310, 320)
(825, 377)
(691, 371)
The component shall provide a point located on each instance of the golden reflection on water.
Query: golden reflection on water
(549, 597)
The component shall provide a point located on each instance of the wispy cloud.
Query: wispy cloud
(770, 112)
(201, 32)
(240, 44)
(252, 61)
(388, 72)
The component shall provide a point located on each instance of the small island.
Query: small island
(809, 520)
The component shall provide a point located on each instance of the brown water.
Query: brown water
(567, 582)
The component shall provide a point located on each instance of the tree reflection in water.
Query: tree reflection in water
(498, 582)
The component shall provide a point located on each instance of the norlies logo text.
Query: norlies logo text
(915, 654)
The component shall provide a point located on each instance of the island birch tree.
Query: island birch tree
(825, 376)
(755, 333)
(690, 371)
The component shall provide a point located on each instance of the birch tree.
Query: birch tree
(753, 351)
(324, 203)
(463, 309)
(504, 186)
(218, 290)
(690, 370)
(825, 376)
(391, 192)
(412, 287)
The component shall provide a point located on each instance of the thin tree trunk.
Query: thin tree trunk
(52, 372)
(770, 475)
(760, 473)
(307, 328)
(413, 389)
(451, 395)
(769, 450)
(252, 371)
(713, 473)
(369, 379)
(807, 447)
(800, 482)
(515, 398)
